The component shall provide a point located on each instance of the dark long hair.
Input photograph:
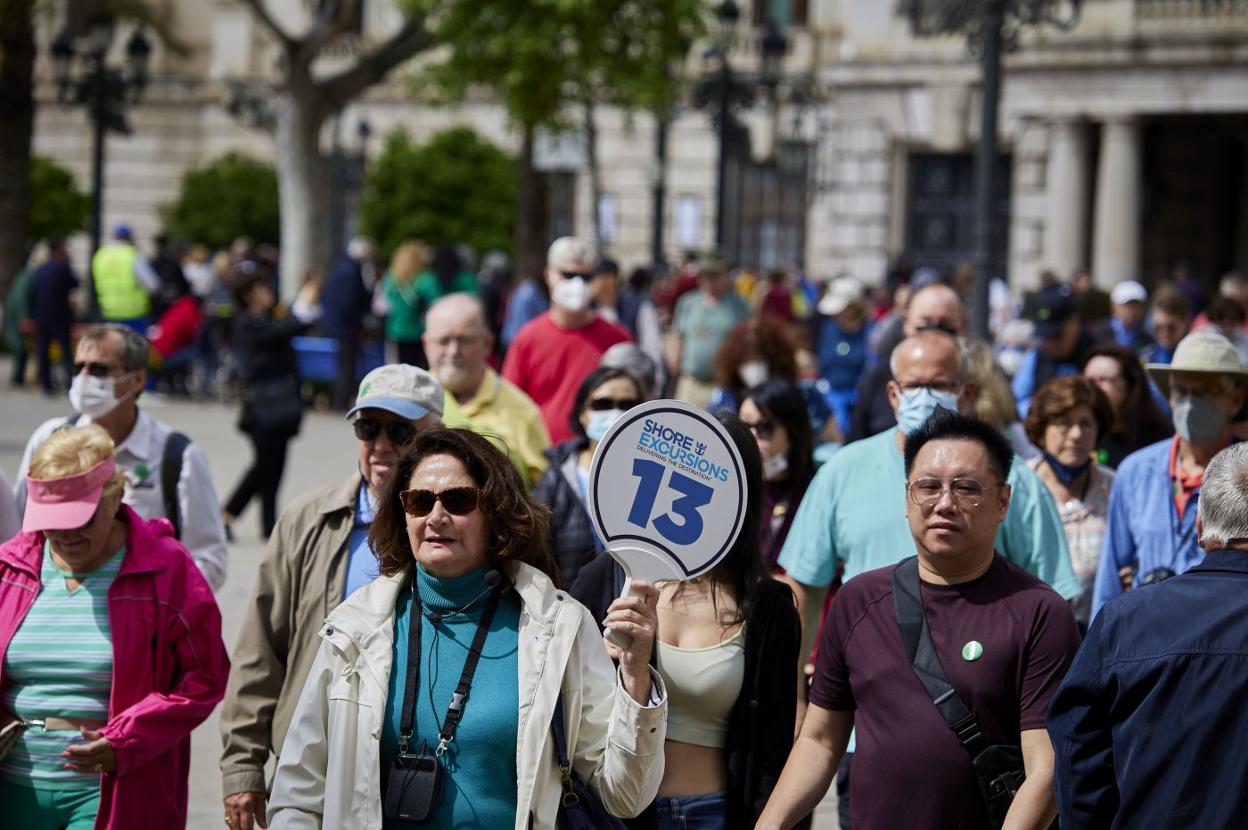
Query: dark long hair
(445, 266)
(783, 403)
(1139, 421)
(592, 381)
(518, 526)
(743, 568)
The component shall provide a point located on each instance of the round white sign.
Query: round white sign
(667, 491)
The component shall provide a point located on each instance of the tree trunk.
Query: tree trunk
(17, 103)
(595, 175)
(302, 185)
(531, 221)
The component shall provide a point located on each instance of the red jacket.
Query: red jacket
(169, 666)
(177, 328)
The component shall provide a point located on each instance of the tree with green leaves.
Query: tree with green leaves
(57, 207)
(539, 58)
(457, 187)
(234, 195)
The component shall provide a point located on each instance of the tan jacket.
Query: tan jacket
(328, 772)
(300, 580)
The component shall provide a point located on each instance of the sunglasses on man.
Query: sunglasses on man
(399, 432)
(458, 501)
(567, 275)
(95, 369)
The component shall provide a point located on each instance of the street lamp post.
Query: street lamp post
(993, 27)
(104, 91)
(728, 89)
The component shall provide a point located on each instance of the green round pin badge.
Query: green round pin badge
(972, 651)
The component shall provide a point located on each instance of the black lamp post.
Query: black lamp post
(992, 27)
(103, 90)
(729, 89)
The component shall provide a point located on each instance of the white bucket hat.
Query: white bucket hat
(1203, 353)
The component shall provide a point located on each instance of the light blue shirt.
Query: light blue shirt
(361, 561)
(854, 513)
(1143, 528)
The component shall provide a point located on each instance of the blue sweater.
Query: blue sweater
(481, 761)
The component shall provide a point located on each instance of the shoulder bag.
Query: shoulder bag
(579, 809)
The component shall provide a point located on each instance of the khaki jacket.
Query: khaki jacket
(300, 580)
(328, 772)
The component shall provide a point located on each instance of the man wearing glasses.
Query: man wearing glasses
(853, 514)
(317, 556)
(110, 371)
(1003, 641)
(554, 351)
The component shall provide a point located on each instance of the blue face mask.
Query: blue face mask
(600, 422)
(1064, 472)
(917, 405)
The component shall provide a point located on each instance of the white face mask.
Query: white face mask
(94, 397)
(753, 372)
(600, 422)
(775, 467)
(571, 294)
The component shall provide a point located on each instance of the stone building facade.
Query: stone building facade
(1124, 140)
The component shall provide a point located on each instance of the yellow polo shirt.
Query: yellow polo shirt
(501, 408)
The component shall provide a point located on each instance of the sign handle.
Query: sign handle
(618, 638)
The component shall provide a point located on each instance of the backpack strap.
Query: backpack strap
(170, 475)
(908, 605)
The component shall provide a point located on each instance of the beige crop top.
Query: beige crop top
(702, 687)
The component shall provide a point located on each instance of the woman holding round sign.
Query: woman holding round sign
(604, 395)
(461, 688)
(727, 643)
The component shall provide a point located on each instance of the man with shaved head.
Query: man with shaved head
(854, 513)
(458, 343)
(934, 306)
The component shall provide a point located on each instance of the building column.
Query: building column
(1066, 226)
(1116, 240)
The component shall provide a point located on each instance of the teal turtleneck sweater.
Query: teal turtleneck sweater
(481, 761)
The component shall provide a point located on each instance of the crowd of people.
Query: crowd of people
(934, 526)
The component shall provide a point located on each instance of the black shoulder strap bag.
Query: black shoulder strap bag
(579, 809)
(417, 780)
(998, 767)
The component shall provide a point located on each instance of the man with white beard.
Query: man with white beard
(458, 344)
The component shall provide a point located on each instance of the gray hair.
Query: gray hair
(569, 249)
(964, 359)
(136, 352)
(1224, 498)
(628, 357)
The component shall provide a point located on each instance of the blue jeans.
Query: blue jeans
(692, 812)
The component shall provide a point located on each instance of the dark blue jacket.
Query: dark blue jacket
(345, 300)
(1150, 726)
(50, 287)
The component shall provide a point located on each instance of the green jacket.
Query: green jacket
(17, 309)
(405, 323)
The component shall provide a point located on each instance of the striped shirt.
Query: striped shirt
(59, 664)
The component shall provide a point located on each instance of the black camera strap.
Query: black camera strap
(908, 605)
(455, 711)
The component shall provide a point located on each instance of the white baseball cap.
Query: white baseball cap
(1128, 291)
(407, 391)
(840, 294)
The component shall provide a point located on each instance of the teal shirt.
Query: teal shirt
(481, 761)
(703, 326)
(854, 513)
(59, 664)
(405, 323)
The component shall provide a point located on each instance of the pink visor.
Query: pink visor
(65, 503)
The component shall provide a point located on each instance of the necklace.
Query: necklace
(438, 616)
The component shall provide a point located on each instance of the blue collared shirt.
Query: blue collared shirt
(1144, 529)
(361, 562)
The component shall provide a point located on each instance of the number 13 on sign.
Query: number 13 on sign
(693, 496)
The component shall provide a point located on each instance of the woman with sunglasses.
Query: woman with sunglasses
(110, 651)
(272, 402)
(726, 647)
(775, 413)
(398, 703)
(602, 398)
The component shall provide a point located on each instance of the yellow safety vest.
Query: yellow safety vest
(121, 295)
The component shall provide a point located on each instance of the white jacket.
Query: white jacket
(328, 772)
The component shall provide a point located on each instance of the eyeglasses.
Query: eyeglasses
(458, 501)
(607, 404)
(95, 369)
(399, 432)
(935, 386)
(762, 429)
(464, 342)
(967, 493)
(567, 275)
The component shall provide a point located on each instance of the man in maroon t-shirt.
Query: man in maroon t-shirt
(1003, 638)
(553, 352)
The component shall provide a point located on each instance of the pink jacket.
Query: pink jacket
(169, 666)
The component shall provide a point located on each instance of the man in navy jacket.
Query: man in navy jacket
(1149, 727)
(346, 299)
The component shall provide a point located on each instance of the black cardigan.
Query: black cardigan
(760, 730)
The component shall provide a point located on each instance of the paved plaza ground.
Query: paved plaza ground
(324, 452)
